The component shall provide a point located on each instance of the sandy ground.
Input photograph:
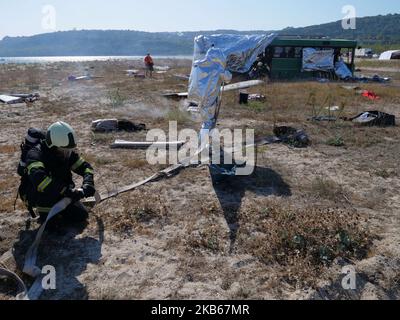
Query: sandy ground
(189, 238)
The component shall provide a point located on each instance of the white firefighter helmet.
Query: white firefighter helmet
(61, 135)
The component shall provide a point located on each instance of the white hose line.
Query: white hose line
(30, 267)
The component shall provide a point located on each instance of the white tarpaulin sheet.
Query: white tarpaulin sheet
(318, 60)
(388, 55)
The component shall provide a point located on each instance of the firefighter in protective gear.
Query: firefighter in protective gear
(49, 167)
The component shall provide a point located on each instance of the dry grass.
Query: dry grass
(385, 173)
(133, 163)
(337, 141)
(181, 117)
(98, 160)
(8, 149)
(257, 106)
(366, 63)
(300, 243)
(116, 98)
(304, 241)
(328, 189)
(206, 235)
(373, 198)
(8, 192)
(59, 107)
(205, 239)
(137, 214)
(294, 103)
(102, 138)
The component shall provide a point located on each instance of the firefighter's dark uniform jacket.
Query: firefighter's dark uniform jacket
(50, 175)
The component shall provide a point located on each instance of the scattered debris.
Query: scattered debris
(74, 78)
(375, 118)
(230, 87)
(243, 98)
(333, 114)
(323, 118)
(354, 88)
(111, 125)
(370, 95)
(132, 72)
(368, 118)
(10, 99)
(288, 135)
(19, 98)
(193, 107)
(87, 77)
(182, 77)
(135, 73)
(375, 78)
(242, 85)
(295, 138)
(256, 97)
(160, 68)
(342, 70)
(267, 140)
(334, 108)
(176, 96)
(121, 144)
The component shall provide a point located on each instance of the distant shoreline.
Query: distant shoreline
(55, 59)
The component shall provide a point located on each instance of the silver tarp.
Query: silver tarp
(206, 78)
(215, 57)
(318, 60)
(342, 70)
(240, 51)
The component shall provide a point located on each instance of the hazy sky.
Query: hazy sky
(26, 17)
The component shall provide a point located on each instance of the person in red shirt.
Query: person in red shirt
(149, 64)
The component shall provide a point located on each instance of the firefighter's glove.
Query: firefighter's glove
(75, 194)
(88, 190)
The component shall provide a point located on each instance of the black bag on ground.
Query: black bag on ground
(129, 126)
(375, 118)
(112, 125)
(292, 136)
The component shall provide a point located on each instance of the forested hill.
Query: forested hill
(383, 31)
